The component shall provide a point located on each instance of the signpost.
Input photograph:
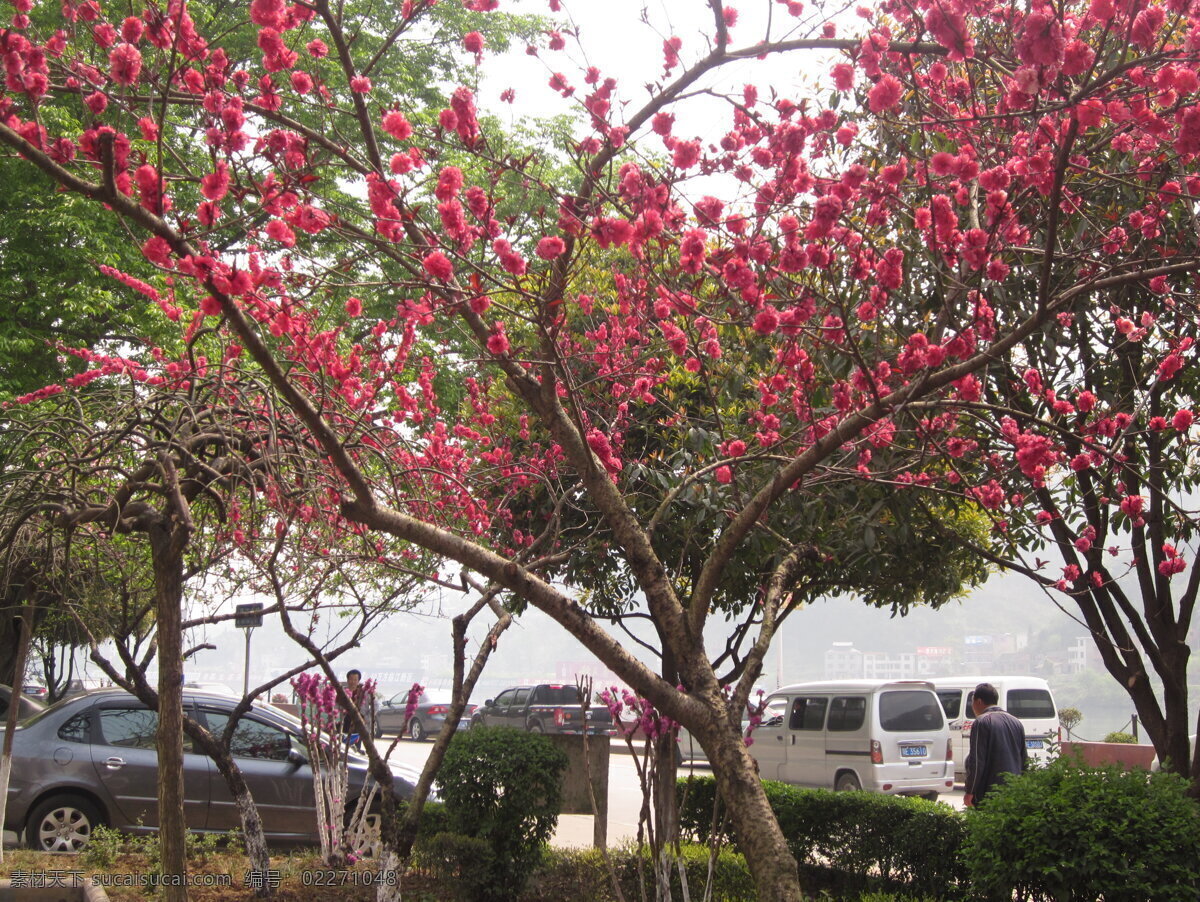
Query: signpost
(248, 616)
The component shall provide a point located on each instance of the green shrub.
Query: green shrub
(103, 847)
(581, 873)
(1118, 736)
(503, 786)
(466, 862)
(434, 820)
(1068, 832)
(852, 841)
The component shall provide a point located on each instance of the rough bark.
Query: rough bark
(252, 828)
(776, 877)
(168, 535)
(14, 708)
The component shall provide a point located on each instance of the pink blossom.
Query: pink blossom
(438, 265)
(301, 81)
(96, 102)
(360, 84)
(724, 474)
(473, 42)
(687, 154)
(280, 231)
(497, 342)
(1170, 365)
(125, 63)
(267, 12)
(885, 95)
(550, 247)
(1182, 420)
(1147, 26)
(1041, 41)
(396, 125)
(1131, 505)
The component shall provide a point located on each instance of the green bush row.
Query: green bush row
(851, 841)
(1063, 832)
(570, 873)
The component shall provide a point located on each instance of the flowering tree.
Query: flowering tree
(1079, 444)
(964, 198)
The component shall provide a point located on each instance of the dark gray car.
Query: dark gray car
(28, 706)
(92, 760)
(429, 716)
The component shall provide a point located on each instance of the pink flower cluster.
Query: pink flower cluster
(644, 717)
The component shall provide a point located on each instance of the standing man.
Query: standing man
(363, 697)
(997, 745)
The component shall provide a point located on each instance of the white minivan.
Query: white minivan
(1025, 697)
(880, 735)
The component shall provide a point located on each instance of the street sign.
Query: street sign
(248, 615)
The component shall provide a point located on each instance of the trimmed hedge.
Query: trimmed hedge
(1072, 833)
(852, 841)
(567, 872)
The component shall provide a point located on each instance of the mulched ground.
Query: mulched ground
(221, 877)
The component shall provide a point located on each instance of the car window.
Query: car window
(132, 728)
(251, 738)
(505, 698)
(773, 711)
(808, 714)
(847, 712)
(77, 729)
(951, 700)
(910, 710)
(557, 695)
(1029, 703)
(521, 697)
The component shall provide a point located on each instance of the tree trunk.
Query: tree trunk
(14, 710)
(252, 829)
(771, 863)
(168, 538)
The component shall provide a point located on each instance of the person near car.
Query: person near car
(363, 697)
(997, 745)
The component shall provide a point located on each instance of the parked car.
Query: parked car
(1027, 698)
(428, 719)
(35, 691)
(28, 707)
(886, 736)
(93, 760)
(545, 708)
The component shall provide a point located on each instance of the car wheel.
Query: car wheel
(535, 727)
(416, 732)
(62, 824)
(847, 783)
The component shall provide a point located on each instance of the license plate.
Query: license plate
(1033, 743)
(913, 751)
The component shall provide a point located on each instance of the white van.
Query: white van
(1024, 697)
(880, 735)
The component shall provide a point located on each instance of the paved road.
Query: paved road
(624, 796)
